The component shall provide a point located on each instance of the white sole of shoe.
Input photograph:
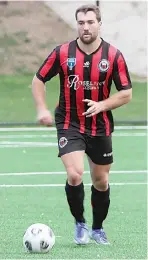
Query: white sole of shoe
(81, 243)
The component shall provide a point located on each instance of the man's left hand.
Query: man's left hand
(94, 107)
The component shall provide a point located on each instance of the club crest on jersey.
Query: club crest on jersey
(63, 141)
(71, 62)
(103, 65)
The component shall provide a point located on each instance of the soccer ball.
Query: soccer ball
(38, 238)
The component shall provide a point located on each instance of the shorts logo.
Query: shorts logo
(62, 142)
(71, 62)
(104, 65)
(107, 154)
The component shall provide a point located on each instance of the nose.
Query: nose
(86, 27)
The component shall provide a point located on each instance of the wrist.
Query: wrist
(103, 106)
(41, 108)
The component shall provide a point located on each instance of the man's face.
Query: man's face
(88, 27)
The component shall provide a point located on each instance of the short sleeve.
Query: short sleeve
(50, 67)
(121, 75)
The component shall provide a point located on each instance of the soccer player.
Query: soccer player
(84, 122)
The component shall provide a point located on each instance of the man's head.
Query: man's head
(88, 21)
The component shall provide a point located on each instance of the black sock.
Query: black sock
(75, 198)
(100, 204)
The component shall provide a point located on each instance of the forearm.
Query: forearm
(38, 91)
(117, 100)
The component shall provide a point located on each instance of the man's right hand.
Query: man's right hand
(44, 117)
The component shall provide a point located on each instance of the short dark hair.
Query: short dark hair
(87, 8)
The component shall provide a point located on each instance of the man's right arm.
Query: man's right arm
(43, 114)
(49, 69)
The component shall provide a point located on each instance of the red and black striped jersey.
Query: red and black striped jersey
(85, 76)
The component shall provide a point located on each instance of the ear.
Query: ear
(100, 23)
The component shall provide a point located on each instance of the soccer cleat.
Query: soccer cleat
(99, 236)
(81, 233)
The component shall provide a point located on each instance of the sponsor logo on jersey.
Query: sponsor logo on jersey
(72, 81)
(75, 82)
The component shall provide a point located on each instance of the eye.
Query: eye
(80, 23)
(90, 22)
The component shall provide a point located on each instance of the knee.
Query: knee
(74, 175)
(101, 184)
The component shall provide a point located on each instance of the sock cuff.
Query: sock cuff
(74, 188)
(103, 194)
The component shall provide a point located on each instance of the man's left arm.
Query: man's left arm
(117, 100)
(123, 84)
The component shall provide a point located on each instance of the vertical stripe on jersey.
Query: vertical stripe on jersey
(48, 65)
(108, 53)
(71, 77)
(87, 86)
(111, 56)
(95, 73)
(63, 61)
(80, 90)
(122, 71)
(105, 49)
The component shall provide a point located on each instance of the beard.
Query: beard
(88, 39)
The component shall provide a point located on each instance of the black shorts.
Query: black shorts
(98, 148)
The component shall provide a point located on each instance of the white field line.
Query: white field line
(63, 185)
(64, 173)
(21, 129)
(26, 144)
(26, 136)
(8, 144)
(21, 136)
(59, 258)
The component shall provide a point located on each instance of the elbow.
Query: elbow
(33, 85)
(34, 81)
(128, 95)
(37, 83)
(129, 98)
